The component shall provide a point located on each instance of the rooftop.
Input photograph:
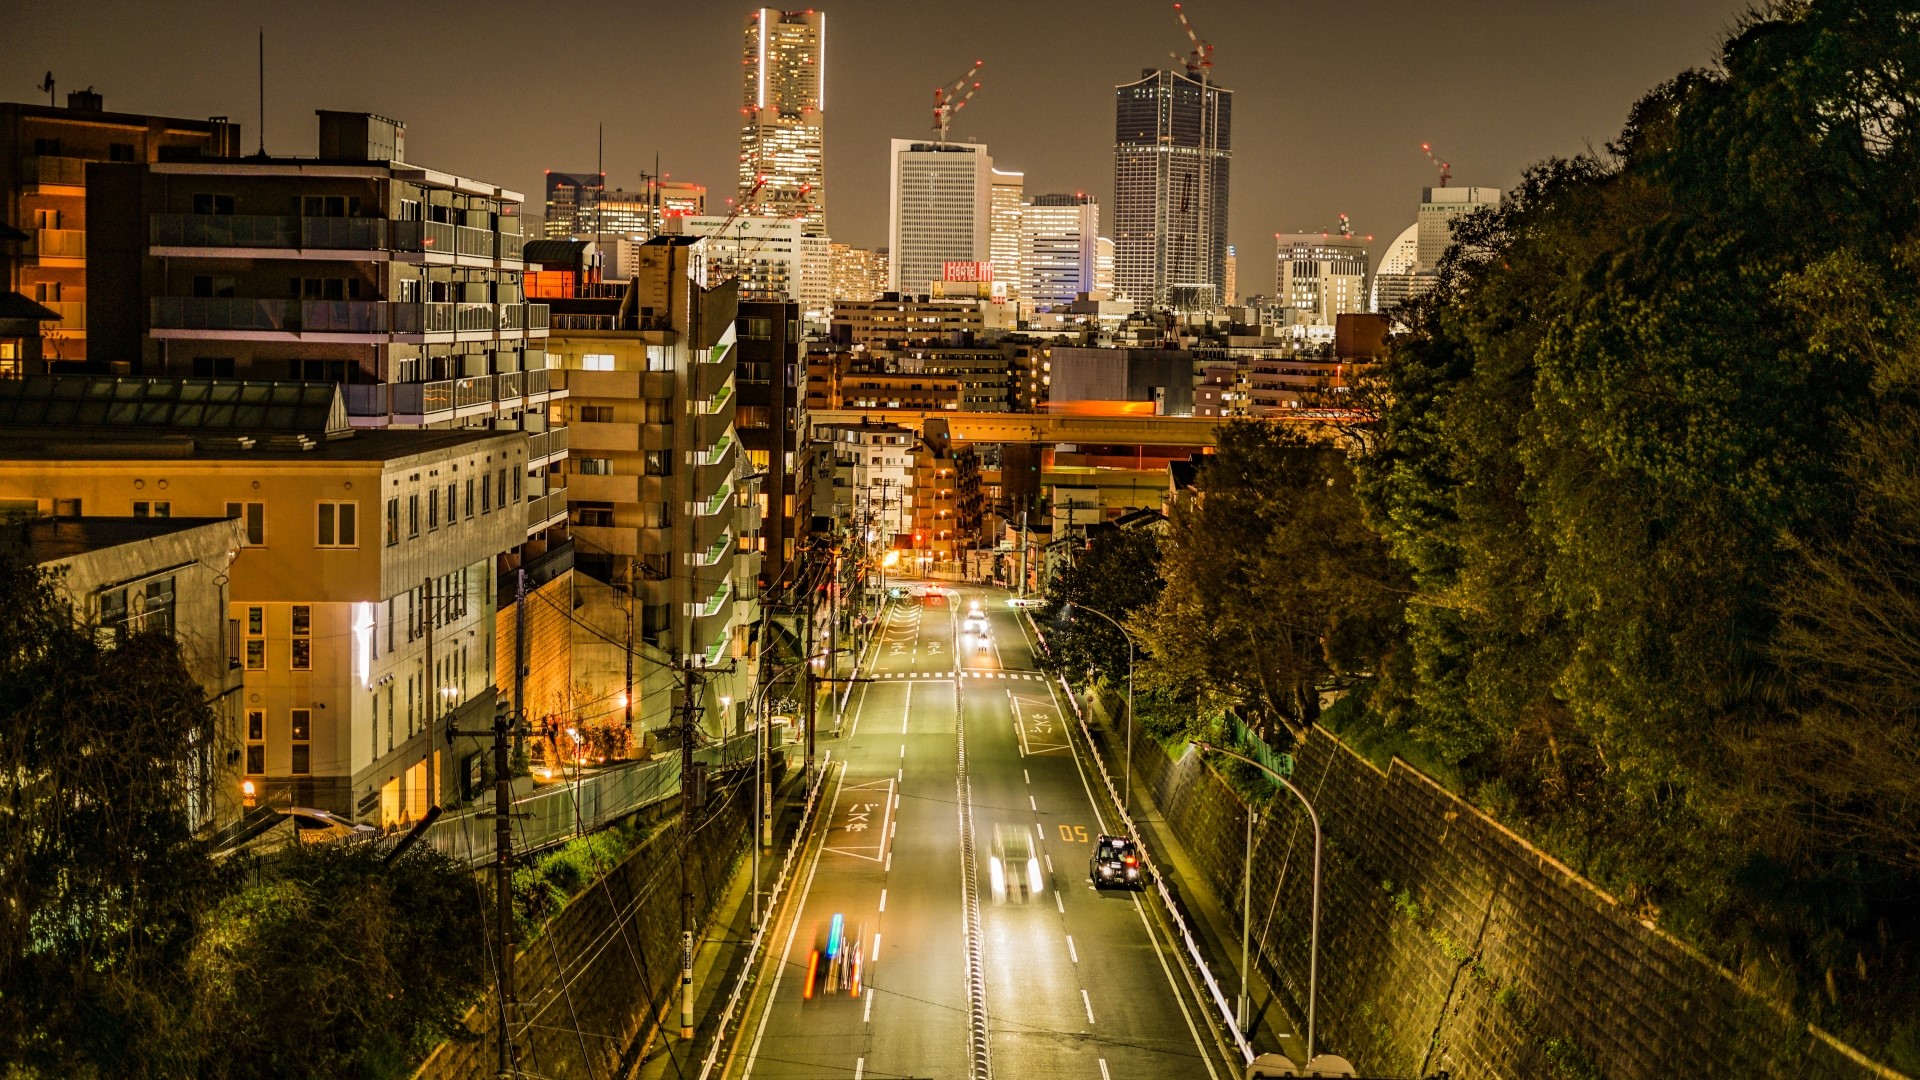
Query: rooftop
(48, 539)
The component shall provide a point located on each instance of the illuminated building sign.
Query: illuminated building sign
(967, 271)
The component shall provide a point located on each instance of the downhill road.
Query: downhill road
(1062, 981)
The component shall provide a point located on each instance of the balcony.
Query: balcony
(473, 392)
(56, 172)
(422, 402)
(58, 244)
(475, 242)
(542, 445)
(73, 315)
(215, 313)
(585, 322)
(545, 509)
(471, 317)
(539, 382)
(264, 231)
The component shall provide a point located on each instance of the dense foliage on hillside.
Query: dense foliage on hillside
(1632, 554)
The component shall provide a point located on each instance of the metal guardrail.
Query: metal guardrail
(558, 812)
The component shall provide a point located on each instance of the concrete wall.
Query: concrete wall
(1449, 942)
(599, 971)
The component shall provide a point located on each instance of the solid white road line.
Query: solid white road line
(1071, 954)
(883, 899)
(1088, 1002)
(908, 711)
(1104, 1075)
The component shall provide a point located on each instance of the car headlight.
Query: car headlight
(1133, 872)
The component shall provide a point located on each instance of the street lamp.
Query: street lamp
(1246, 896)
(1126, 807)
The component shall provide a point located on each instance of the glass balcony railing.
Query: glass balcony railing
(64, 171)
(539, 382)
(59, 243)
(218, 313)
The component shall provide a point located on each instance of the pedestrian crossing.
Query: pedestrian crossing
(1030, 676)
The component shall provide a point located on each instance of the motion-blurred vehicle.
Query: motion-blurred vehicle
(975, 622)
(1014, 869)
(836, 963)
(1116, 861)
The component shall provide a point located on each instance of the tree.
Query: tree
(1116, 575)
(100, 878)
(339, 964)
(1276, 587)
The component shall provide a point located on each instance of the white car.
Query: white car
(975, 623)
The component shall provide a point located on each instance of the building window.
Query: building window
(596, 362)
(516, 486)
(593, 466)
(338, 525)
(302, 637)
(300, 731)
(596, 414)
(453, 503)
(393, 521)
(760, 329)
(659, 410)
(143, 508)
(433, 509)
(593, 515)
(255, 515)
(46, 147)
(209, 203)
(659, 463)
(256, 742)
(503, 488)
(413, 516)
(469, 497)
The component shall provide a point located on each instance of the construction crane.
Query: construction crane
(1200, 60)
(1446, 172)
(739, 206)
(944, 105)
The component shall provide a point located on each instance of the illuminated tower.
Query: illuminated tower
(783, 116)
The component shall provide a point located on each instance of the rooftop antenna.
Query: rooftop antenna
(1346, 226)
(944, 105)
(1446, 171)
(600, 167)
(263, 91)
(47, 85)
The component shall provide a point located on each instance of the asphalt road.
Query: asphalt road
(1076, 982)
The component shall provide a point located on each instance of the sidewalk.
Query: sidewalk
(1215, 929)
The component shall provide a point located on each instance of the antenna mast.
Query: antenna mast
(263, 92)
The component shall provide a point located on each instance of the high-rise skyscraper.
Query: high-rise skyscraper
(1009, 193)
(940, 212)
(783, 118)
(1173, 140)
(1059, 242)
(1230, 284)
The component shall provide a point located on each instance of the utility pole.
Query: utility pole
(812, 688)
(689, 695)
(433, 694)
(629, 695)
(519, 654)
(504, 724)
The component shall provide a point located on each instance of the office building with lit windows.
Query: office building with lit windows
(1059, 242)
(579, 204)
(1320, 277)
(940, 211)
(1173, 148)
(1007, 206)
(783, 116)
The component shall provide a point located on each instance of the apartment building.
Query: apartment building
(865, 480)
(44, 153)
(947, 507)
(653, 478)
(166, 575)
(362, 598)
(401, 283)
(771, 420)
(909, 320)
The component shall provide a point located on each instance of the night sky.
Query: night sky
(1331, 99)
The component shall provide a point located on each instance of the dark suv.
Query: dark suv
(1116, 861)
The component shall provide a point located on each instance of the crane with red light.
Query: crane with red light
(1446, 171)
(1199, 61)
(950, 99)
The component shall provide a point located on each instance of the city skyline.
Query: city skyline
(1493, 87)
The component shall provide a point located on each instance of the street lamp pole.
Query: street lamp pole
(1126, 807)
(1313, 948)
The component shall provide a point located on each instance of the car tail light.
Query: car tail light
(813, 968)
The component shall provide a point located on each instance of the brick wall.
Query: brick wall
(601, 969)
(1449, 942)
